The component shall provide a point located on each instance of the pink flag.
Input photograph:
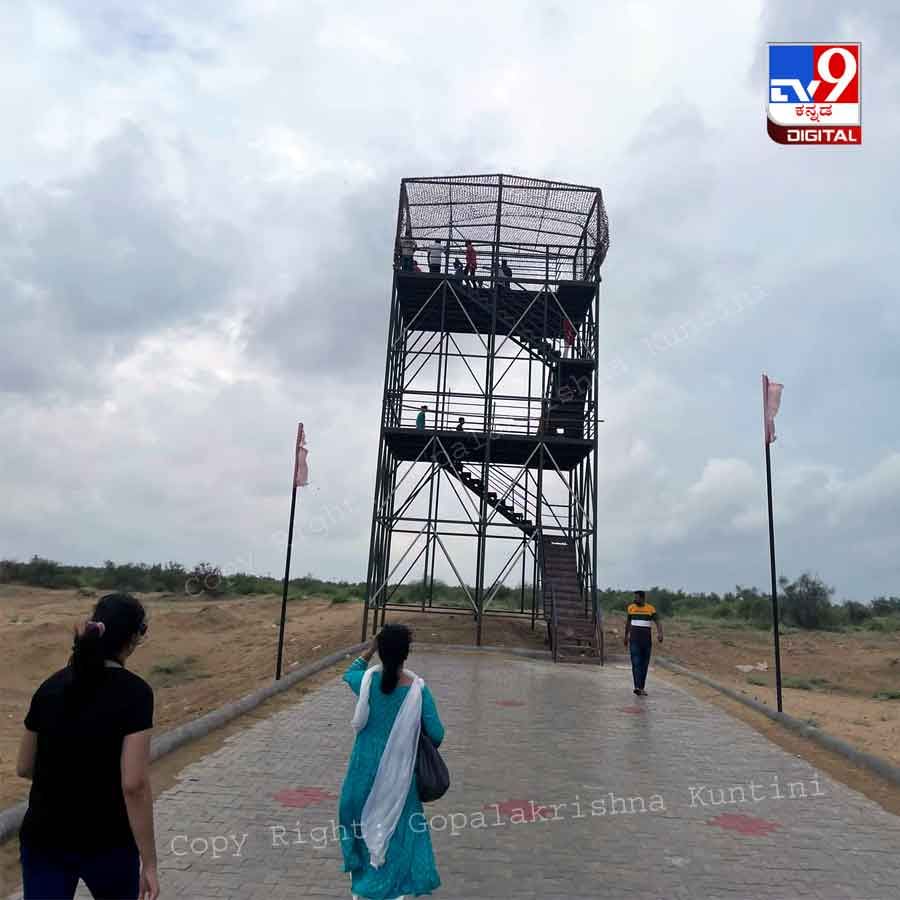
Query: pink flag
(771, 401)
(301, 469)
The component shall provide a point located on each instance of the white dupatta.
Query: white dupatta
(381, 812)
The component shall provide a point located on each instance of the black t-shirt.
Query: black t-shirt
(76, 798)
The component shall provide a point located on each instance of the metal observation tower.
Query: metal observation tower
(487, 457)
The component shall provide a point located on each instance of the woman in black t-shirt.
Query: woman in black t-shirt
(86, 748)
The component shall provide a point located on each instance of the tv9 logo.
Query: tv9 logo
(814, 94)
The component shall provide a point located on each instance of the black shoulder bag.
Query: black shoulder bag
(432, 775)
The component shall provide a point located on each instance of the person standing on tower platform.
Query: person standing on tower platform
(435, 252)
(407, 249)
(504, 278)
(471, 263)
(638, 638)
(420, 418)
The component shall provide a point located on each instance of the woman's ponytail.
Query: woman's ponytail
(393, 648)
(88, 653)
(390, 677)
(118, 620)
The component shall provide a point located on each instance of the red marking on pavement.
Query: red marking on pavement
(744, 824)
(633, 710)
(305, 796)
(524, 809)
(510, 703)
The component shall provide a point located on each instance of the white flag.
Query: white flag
(771, 402)
(301, 469)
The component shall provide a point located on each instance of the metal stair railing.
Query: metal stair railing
(516, 496)
(555, 628)
(507, 510)
(529, 337)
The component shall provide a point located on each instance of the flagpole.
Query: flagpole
(771, 403)
(301, 476)
(287, 576)
(774, 581)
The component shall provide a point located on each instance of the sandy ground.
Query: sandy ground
(198, 654)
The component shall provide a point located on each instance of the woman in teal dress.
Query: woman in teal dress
(408, 868)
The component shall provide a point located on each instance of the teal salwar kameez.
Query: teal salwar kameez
(409, 868)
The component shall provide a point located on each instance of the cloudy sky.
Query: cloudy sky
(196, 212)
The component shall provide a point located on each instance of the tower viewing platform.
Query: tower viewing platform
(537, 248)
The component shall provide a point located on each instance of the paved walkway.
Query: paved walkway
(565, 786)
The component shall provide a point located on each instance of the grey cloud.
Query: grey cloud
(95, 262)
(334, 319)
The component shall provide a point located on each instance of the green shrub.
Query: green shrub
(806, 603)
(753, 607)
(885, 624)
(38, 572)
(885, 606)
(856, 613)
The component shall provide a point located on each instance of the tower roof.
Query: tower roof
(511, 210)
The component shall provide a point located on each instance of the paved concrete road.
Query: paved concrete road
(565, 785)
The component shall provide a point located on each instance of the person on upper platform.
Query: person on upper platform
(471, 263)
(504, 277)
(420, 418)
(458, 270)
(408, 247)
(435, 252)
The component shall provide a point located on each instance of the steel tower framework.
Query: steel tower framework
(486, 496)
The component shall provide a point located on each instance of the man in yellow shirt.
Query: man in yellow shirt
(641, 616)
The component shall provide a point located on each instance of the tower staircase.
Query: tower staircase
(524, 329)
(573, 625)
(498, 494)
(564, 402)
